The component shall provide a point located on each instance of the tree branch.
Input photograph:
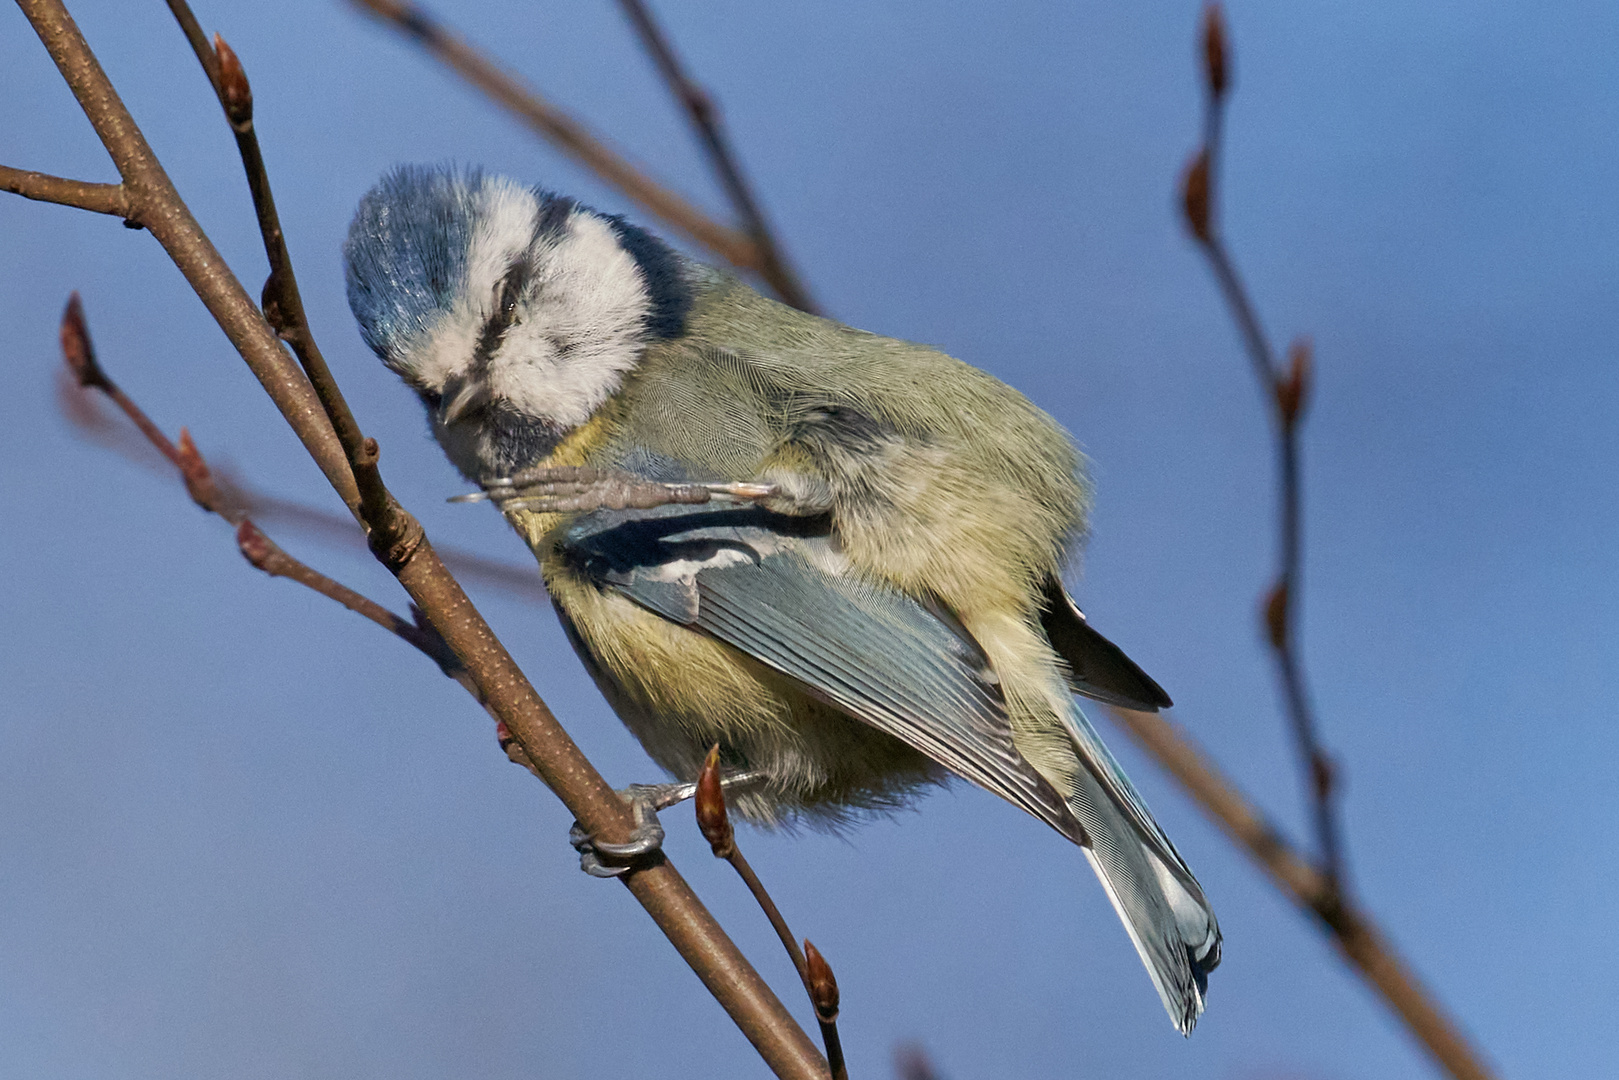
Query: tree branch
(78, 353)
(80, 410)
(1353, 930)
(705, 119)
(1322, 889)
(43, 187)
(813, 971)
(282, 302)
(567, 134)
(398, 541)
(1286, 392)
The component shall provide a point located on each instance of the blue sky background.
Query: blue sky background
(243, 834)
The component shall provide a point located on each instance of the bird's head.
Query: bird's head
(513, 313)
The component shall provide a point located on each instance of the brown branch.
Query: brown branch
(340, 530)
(1320, 889)
(82, 194)
(567, 134)
(78, 353)
(813, 971)
(197, 39)
(281, 299)
(705, 119)
(268, 556)
(398, 541)
(823, 992)
(1353, 930)
(1285, 391)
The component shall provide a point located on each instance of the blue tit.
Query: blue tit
(882, 612)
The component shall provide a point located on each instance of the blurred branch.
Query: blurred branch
(705, 119)
(338, 530)
(1286, 391)
(911, 1062)
(1353, 930)
(1320, 889)
(567, 134)
(78, 353)
(97, 198)
(398, 541)
(813, 971)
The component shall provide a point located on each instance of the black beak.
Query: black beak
(461, 398)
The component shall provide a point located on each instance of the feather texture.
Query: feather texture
(892, 616)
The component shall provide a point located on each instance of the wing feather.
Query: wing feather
(777, 590)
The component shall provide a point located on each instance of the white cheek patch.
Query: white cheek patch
(505, 217)
(581, 328)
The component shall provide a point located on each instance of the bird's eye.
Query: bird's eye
(511, 288)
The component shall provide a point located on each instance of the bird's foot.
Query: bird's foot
(567, 488)
(601, 859)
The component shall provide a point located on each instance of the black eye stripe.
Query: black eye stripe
(508, 293)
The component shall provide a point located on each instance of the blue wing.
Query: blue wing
(777, 588)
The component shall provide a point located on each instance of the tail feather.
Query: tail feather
(1157, 898)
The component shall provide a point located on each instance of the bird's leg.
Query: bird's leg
(567, 488)
(600, 859)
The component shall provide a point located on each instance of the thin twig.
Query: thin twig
(399, 543)
(268, 556)
(1353, 930)
(238, 504)
(78, 353)
(823, 992)
(1320, 888)
(1286, 392)
(281, 299)
(82, 194)
(197, 39)
(705, 119)
(714, 820)
(338, 530)
(567, 134)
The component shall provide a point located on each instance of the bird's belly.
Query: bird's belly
(680, 691)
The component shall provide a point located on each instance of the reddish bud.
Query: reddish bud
(712, 819)
(823, 988)
(1293, 390)
(234, 92)
(270, 303)
(199, 481)
(508, 742)
(1276, 616)
(1195, 196)
(1216, 57)
(256, 548)
(77, 352)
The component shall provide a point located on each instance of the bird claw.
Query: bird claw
(598, 858)
(567, 488)
(604, 860)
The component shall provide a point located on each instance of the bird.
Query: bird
(836, 555)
